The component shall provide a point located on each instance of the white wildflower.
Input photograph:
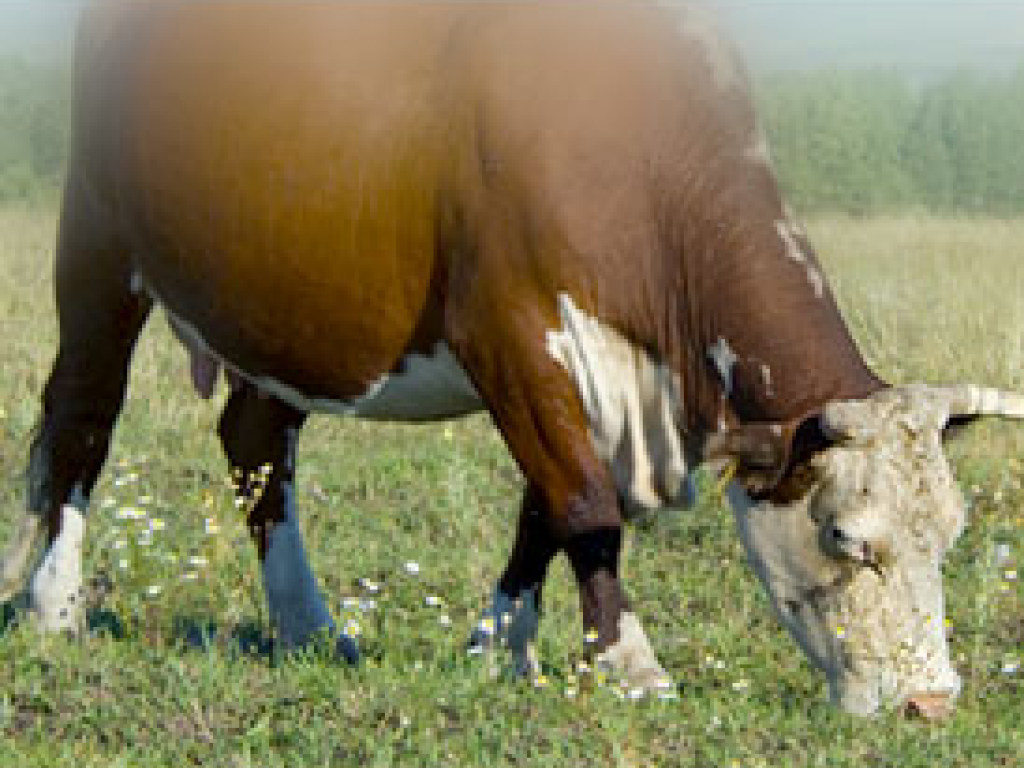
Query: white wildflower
(351, 628)
(486, 625)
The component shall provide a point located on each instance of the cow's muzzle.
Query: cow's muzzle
(929, 706)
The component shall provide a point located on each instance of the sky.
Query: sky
(921, 35)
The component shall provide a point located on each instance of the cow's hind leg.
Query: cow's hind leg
(511, 620)
(100, 318)
(259, 436)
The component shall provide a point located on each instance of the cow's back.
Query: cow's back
(302, 184)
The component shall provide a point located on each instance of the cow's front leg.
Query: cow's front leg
(259, 436)
(539, 412)
(512, 618)
(622, 648)
(100, 318)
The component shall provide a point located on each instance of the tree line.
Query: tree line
(859, 142)
(871, 141)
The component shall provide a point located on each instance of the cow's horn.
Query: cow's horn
(14, 563)
(967, 401)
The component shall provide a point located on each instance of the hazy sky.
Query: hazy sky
(922, 34)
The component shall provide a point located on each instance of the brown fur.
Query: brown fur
(321, 189)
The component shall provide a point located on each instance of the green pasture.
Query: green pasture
(165, 677)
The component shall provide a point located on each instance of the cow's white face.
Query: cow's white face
(852, 560)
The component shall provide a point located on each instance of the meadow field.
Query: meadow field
(408, 526)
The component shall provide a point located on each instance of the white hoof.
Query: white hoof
(56, 596)
(631, 660)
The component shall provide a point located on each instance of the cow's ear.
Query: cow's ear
(759, 452)
(810, 438)
(773, 461)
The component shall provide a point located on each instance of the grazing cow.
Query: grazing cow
(562, 213)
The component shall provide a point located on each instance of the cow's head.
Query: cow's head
(849, 538)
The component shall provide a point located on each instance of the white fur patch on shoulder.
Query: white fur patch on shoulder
(632, 403)
(56, 596)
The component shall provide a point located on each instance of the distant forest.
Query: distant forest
(859, 142)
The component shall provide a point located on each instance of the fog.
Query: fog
(925, 37)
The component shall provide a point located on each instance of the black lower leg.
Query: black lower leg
(594, 557)
(535, 547)
(81, 403)
(258, 435)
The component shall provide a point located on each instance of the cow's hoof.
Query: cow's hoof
(326, 644)
(347, 648)
(521, 662)
(631, 661)
(510, 624)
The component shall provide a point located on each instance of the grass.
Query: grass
(931, 299)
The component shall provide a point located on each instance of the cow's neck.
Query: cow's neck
(765, 340)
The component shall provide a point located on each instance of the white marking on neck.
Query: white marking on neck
(633, 405)
(425, 387)
(759, 152)
(789, 233)
(725, 361)
(56, 594)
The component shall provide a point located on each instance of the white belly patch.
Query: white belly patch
(425, 387)
(633, 405)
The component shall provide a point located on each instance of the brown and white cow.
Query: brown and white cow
(562, 213)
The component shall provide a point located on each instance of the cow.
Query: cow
(562, 213)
